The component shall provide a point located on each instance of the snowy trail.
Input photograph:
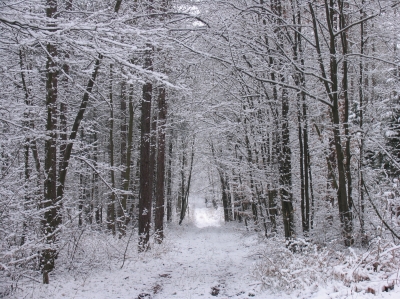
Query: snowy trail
(210, 257)
(193, 263)
(202, 259)
(197, 260)
(189, 265)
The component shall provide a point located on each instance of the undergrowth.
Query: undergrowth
(371, 270)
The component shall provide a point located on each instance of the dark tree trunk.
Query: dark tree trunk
(82, 187)
(332, 89)
(284, 163)
(345, 85)
(169, 181)
(299, 79)
(95, 198)
(302, 188)
(68, 4)
(128, 168)
(260, 199)
(111, 204)
(285, 170)
(273, 211)
(254, 202)
(312, 213)
(160, 194)
(28, 123)
(63, 103)
(185, 191)
(121, 210)
(225, 201)
(54, 194)
(362, 85)
(181, 192)
(117, 6)
(307, 169)
(52, 217)
(146, 173)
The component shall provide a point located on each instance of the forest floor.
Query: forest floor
(201, 259)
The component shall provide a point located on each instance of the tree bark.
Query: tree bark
(332, 89)
(121, 210)
(146, 173)
(185, 191)
(345, 85)
(54, 194)
(361, 86)
(299, 79)
(160, 196)
(169, 180)
(51, 206)
(63, 103)
(285, 171)
(225, 202)
(129, 149)
(111, 204)
(285, 164)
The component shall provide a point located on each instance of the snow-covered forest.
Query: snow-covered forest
(199, 148)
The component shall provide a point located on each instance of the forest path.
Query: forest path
(196, 260)
(206, 260)
(193, 262)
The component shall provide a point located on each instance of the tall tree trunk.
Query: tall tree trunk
(121, 210)
(146, 173)
(54, 194)
(111, 204)
(160, 196)
(272, 210)
(181, 191)
(169, 180)
(361, 86)
(27, 196)
(185, 197)
(307, 169)
(312, 213)
(28, 123)
(82, 186)
(299, 79)
(285, 164)
(153, 151)
(127, 178)
(52, 217)
(332, 89)
(345, 85)
(285, 170)
(302, 188)
(254, 203)
(97, 203)
(225, 202)
(63, 103)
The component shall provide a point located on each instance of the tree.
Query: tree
(51, 203)
(146, 172)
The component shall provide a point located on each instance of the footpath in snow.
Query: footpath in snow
(202, 259)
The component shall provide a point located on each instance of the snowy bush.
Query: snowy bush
(372, 271)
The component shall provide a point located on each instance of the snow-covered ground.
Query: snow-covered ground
(203, 258)
(192, 262)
